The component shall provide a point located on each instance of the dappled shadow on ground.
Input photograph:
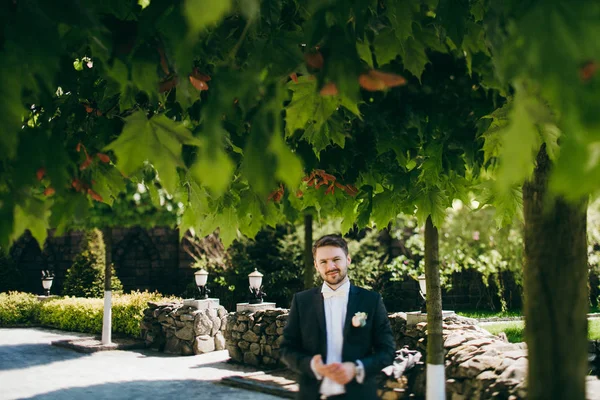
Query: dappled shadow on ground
(18, 356)
(165, 389)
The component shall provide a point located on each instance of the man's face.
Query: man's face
(332, 264)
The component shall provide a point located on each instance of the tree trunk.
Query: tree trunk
(436, 381)
(107, 315)
(556, 294)
(309, 268)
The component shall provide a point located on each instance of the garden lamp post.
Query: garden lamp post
(201, 277)
(423, 287)
(47, 278)
(255, 279)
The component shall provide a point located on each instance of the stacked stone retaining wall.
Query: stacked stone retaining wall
(178, 329)
(254, 338)
(479, 365)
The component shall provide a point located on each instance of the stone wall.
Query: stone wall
(254, 337)
(479, 365)
(178, 329)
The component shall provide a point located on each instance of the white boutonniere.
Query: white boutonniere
(360, 319)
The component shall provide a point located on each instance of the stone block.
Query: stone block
(219, 341)
(277, 342)
(204, 304)
(186, 349)
(243, 316)
(250, 337)
(172, 345)
(267, 350)
(251, 359)
(216, 325)
(204, 344)
(271, 329)
(202, 324)
(235, 353)
(242, 344)
(254, 307)
(255, 349)
(258, 328)
(185, 333)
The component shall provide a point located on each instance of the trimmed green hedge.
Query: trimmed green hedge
(77, 314)
(18, 308)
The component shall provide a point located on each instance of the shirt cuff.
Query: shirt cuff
(360, 372)
(312, 367)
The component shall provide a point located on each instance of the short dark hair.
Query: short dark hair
(330, 240)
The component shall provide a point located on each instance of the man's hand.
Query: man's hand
(341, 373)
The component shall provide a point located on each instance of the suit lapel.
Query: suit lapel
(320, 309)
(353, 308)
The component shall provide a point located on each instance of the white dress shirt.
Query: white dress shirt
(335, 303)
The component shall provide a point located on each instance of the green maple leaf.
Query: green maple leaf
(309, 108)
(145, 76)
(521, 141)
(201, 14)
(108, 183)
(401, 14)
(473, 43)
(31, 214)
(386, 46)
(68, 210)
(195, 207)
(213, 169)
(227, 221)
(315, 114)
(364, 52)
(250, 214)
(348, 213)
(507, 203)
(386, 207)
(432, 202)
(414, 57)
(289, 167)
(158, 140)
(432, 168)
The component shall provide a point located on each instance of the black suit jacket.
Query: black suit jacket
(305, 335)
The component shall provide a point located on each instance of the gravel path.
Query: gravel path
(31, 368)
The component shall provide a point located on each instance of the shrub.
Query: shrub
(73, 314)
(128, 310)
(78, 314)
(18, 308)
(85, 278)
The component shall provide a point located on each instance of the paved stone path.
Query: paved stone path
(31, 368)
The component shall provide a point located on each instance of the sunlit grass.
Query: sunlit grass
(489, 314)
(515, 331)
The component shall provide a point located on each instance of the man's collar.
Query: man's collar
(344, 287)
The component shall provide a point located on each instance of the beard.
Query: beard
(334, 279)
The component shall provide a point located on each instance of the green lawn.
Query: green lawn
(515, 330)
(488, 314)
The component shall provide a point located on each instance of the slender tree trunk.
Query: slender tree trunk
(309, 269)
(107, 315)
(556, 295)
(436, 381)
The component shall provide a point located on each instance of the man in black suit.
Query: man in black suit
(338, 336)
